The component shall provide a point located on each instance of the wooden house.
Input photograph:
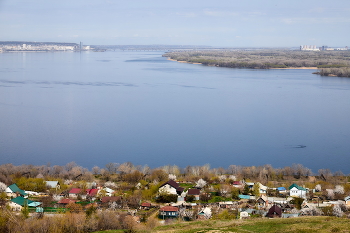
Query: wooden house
(274, 212)
(168, 212)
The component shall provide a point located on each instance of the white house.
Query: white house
(347, 200)
(53, 184)
(13, 191)
(171, 187)
(297, 191)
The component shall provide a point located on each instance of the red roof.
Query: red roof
(145, 204)
(169, 208)
(92, 192)
(110, 199)
(180, 189)
(74, 191)
(193, 192)
(66, 201)
(172, 183)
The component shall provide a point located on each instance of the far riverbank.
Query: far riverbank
(327, 63)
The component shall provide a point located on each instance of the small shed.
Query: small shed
(146, 206)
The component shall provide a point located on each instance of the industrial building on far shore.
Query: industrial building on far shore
(322, 48)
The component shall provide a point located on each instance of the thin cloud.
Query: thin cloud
(186, 14)
(315, 20)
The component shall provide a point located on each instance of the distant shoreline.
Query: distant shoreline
(196, 63)
(296, 68)
(288, 68)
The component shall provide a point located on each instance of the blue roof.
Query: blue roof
(281, 188)
(34, 204)
(244, 196)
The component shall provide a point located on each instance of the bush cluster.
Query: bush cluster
(69, 222)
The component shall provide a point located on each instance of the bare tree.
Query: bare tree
(234, 169)
(326, 173)
(112, 167)
(96, 170)
(125, 168)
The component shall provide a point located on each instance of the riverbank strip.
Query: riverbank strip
(288, 68)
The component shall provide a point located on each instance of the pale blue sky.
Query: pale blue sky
(230, 23)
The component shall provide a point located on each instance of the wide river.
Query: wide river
(100, 107)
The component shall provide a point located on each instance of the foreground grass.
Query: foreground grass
(300, 225)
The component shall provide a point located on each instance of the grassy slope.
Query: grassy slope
(302, 224)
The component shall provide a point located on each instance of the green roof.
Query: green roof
(21, 201)
(297, 186)
(15, 189)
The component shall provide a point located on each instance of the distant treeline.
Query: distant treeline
(131, 173)
(330, 63)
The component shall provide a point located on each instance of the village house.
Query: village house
(249, 184)
(107, 201)
(226, 204)
(195, 193)
(262, 188)
(237, 184)
(14, 191)
(297, 191)
(347, 200)
(274, 212)
(107, 191)
(53, 184)
(204, 213)
(146, 206)
(65, 201)
(74, 192)
(171, 187)
(16, 204)
(262, 201)
(168, 212)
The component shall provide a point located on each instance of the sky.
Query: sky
(229, 23)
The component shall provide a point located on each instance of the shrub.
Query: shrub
(166, 198)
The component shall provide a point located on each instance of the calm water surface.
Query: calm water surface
(96, 108)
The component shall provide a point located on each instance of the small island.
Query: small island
(328, 63)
